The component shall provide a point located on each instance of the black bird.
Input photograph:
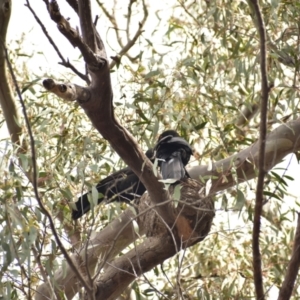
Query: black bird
(121, 186)
(173, 153)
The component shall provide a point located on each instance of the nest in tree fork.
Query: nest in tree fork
(194, 213)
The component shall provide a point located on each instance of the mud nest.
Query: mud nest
(193, 213)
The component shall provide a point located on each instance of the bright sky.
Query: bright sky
(22, 22)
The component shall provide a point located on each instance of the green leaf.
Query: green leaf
(240, 200)
(200, 126)
(272, 195)
(95, 196)
(32, 235)
(24, 161)
(224, 203)
(151, 74)
(177, 194)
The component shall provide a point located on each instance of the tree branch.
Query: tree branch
(242, 166)
(112, 19)
(106, 244)
(153, 250)
(74, 38)
(131, 42)
(293, 268)
(258, 280)
(73, 4)
(86, 25)
(35, 183)
(68, 92)
(63, 62)
(6, 98)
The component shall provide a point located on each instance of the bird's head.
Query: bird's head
(170, 132)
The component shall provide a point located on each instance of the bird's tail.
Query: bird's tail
(173, 168)
(83, 204)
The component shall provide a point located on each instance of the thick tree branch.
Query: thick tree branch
(293, 268)
(242, 166)
(258, 280)
(68, 92)
(73, 4)
(86, 24)
(6, 98)
(153, 251)
(74, 37)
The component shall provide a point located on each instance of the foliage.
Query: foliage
(196, 71)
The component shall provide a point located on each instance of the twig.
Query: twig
(63, 62)
(129, 13)
(42, 270)
(21, 266)
(297, 62)
(35, 183)
(246, 115)
(94, 61)
(293, 268)
(112, 19)
(130, 43)
(258, 280)
(182, 4)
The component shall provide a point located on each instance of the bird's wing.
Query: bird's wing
(123, 185)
